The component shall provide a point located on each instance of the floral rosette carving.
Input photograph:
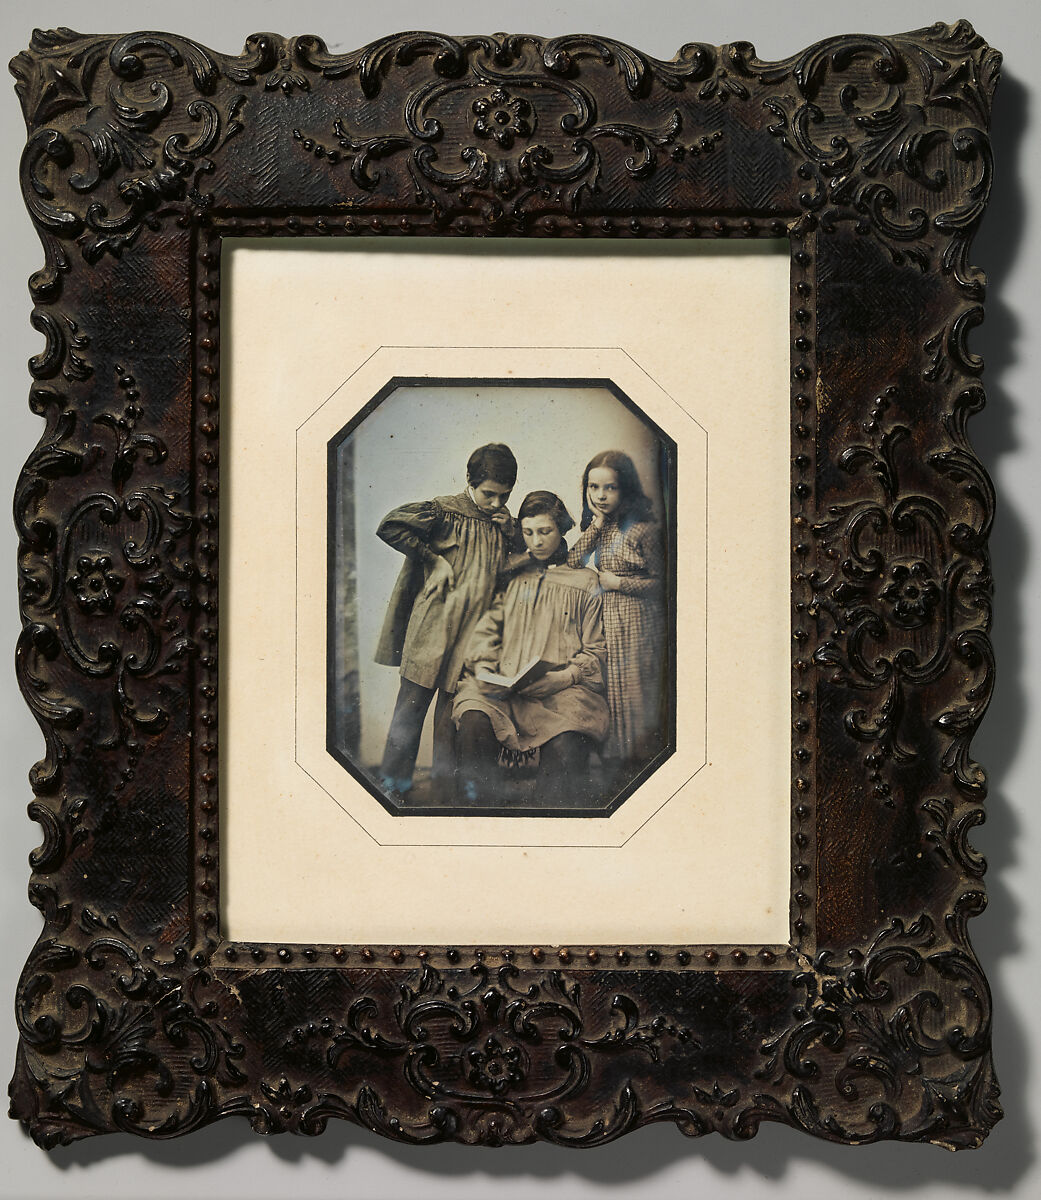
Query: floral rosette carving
(502, 117)
(518, 1053)
(106, 584)
(905, 595)
(531, 130)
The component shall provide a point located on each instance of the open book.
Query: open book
(514, 683)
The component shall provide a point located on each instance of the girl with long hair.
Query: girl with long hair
(623, 542)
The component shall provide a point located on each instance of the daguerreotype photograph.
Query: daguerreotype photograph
(501, 596)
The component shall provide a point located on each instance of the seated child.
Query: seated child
(549, 611)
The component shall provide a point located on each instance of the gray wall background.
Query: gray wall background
(230, 1162)
(427, 458)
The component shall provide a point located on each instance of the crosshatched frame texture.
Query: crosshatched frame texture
(873, 155)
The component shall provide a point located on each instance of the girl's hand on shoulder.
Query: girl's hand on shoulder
(440, 581)
(609, 581)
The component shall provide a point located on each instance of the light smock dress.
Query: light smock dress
(427, 635)
(634, 625)
(548, 612)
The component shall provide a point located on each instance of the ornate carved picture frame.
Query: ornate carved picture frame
(871, 156)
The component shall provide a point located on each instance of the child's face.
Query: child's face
(602, 491)
(490, 496)
(541, 535)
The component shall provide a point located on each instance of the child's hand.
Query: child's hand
(441, 580)
(598, 518)
(550, 683)
(501, 518)
(609, 581)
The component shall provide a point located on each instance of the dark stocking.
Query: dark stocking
(564, 768)
(478, 756)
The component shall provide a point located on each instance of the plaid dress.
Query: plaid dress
(634, 626)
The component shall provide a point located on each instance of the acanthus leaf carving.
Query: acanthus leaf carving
(89, 1041)
(112, 140)
(909, 131)
(109, 584)
(490, 1042)
(869, 1027)
(494, 117)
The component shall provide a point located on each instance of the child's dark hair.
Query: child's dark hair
(494, 461)
(633, 503)
(535, 504)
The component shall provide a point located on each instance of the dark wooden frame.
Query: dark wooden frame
(872, 155)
